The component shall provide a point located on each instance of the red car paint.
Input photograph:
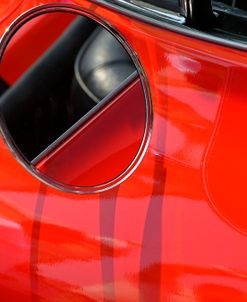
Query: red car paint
(173, 231)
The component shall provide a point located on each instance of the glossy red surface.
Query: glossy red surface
(173, 231)
(7, 7)
(31, 37)
(102, 149)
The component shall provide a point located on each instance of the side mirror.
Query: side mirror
(75, 109)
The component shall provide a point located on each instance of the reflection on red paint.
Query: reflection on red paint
(7, 7)
(226, 165)
(199, 139)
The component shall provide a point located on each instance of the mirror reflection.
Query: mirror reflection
(72, 104)
(57, 75)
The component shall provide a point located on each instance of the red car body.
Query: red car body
(175, 230)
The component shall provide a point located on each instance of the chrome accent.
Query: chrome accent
(184, 9)
(190, 9)
(74, 9)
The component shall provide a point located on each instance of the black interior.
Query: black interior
(231, 18)
(3, 86)
(48, 99)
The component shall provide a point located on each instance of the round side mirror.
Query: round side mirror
(75, 110)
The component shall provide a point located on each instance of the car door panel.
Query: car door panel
(172, 231)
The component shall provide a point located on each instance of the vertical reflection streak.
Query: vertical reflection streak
(151, 248)
(107, 227)
(151, 254)
(34, 252)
